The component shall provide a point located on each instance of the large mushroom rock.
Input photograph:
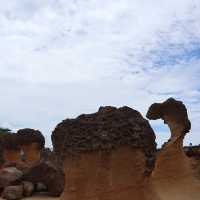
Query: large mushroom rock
(106, 155)
(173, 176)
(23, 147)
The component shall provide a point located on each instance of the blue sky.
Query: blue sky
(63, 58)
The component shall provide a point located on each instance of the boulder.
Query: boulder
(48, 174)
(28, 188)
(13, 192)
(40, 187)
(10, 176)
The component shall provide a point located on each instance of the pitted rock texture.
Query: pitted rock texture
(23, 147)
(23, 137)
(107, 129)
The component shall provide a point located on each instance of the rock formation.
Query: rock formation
(24, 155)
(47, 174)
(14, 192)
(107, 155)
(23, 147)
(174, 176)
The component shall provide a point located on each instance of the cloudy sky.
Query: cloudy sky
(61, 58)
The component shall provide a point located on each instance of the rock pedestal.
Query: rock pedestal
(106, 155)
(114, 175)
(173, 176)
(23, 147)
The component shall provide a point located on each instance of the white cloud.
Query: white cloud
(61, 58)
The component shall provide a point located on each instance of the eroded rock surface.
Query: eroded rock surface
(107, 129)
(9, 176)
(47, 174)
(13, 192)
(106, 155)
(28, 188)
(23, 147)
(174, 176)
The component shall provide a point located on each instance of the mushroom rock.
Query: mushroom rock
(174, 176)
(23, 147)
(107, 155)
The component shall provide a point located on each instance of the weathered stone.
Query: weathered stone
(48, 174)
(28, 188)
(40, 187)
(107, 129)
(174, 176)
(13, 192)
(173, 112)
(23, 147)
(106, 155)
(9, 176)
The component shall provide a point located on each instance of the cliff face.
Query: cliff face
(107, 155)
(174, 176)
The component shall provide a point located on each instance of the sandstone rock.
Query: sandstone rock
(107, 129)
(46, 173)
(28, 188)
(9, 176)
(23, 147)
(106, 155)
(47, 155)
(173, 176)
(23, 136)
(13, 192)
(173, 112)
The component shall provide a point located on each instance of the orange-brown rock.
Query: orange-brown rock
(107, 155)
(23, 147)
(174, 176)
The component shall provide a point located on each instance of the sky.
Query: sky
(59, 59)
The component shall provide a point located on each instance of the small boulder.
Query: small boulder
(13, 192)
(48, 174)
(28, 188)
(10, 176)
(41, 187)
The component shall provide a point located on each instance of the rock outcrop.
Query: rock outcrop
(174, 176)
(107, 155)
(23, 147)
